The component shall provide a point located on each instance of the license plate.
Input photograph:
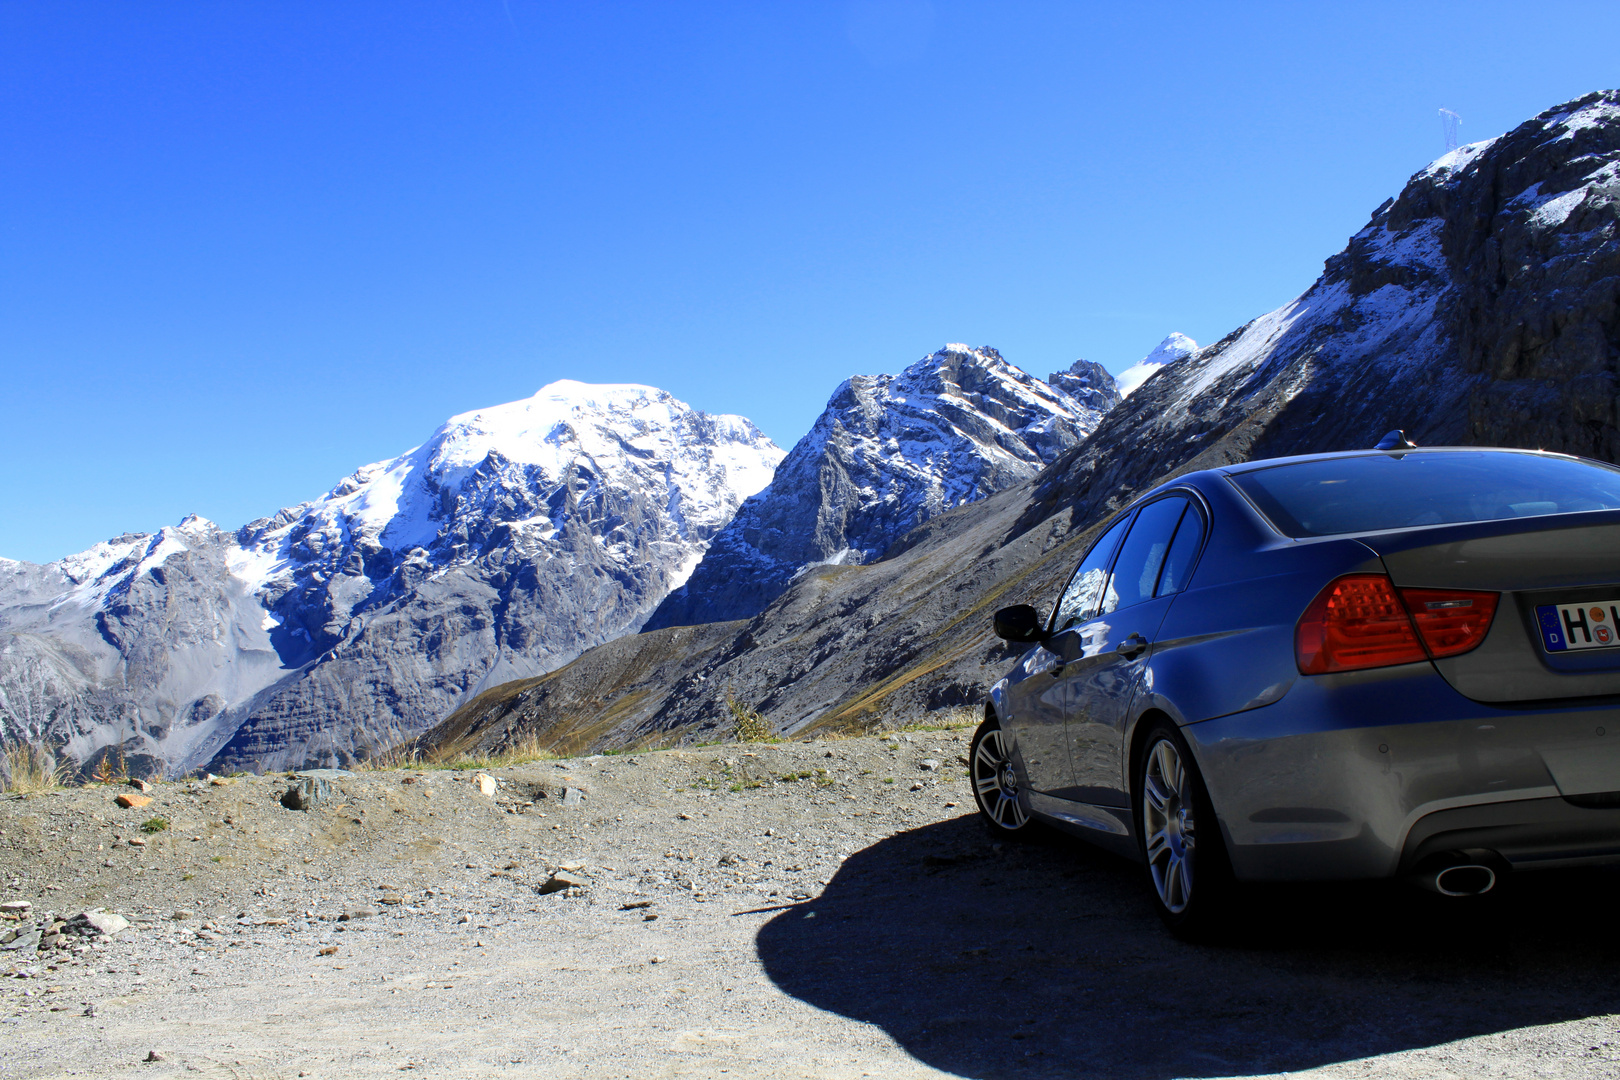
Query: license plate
(1566, 627)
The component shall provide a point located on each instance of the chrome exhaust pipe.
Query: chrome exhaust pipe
(1461, 873)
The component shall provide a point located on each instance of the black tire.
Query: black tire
(996, 786)
(1189, 876)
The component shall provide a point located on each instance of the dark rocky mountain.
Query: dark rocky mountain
(889, 453)
(1479, 306)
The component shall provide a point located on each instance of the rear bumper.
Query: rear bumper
(1362, 775)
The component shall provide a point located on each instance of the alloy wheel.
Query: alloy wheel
(1167, 822)
(995, 782)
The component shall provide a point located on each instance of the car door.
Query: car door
(1039, 696)
(1118, 642)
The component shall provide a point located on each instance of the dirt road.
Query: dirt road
(805, 910)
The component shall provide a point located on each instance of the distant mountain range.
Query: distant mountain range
(509, 542)
(1476, 307)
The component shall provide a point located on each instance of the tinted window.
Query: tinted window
(1397, 491)
(1183, 550)
(1141, 557)
(1079, 600)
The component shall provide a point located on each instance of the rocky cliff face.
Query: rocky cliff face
(1480, 306)
(889, 453)
(510, 541)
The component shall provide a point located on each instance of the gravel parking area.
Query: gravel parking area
(827, 909)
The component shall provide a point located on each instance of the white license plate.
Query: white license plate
(1594, 625)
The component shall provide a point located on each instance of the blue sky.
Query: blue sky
(247, 247)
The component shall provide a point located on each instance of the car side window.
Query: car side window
(1183, 550)
(1141, 556)
(1085, 587)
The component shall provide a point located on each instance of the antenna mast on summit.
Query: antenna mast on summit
(1448, 128)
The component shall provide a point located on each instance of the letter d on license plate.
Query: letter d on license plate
(1593, 625)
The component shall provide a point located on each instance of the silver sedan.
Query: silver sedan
(1385, 663)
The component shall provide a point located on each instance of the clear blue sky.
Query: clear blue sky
(247, 247)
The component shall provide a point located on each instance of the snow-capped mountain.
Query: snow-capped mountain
(1173, 348)
(511, 540)
(1476, 307)
(889, 453)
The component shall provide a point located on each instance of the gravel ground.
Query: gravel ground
(827, 909)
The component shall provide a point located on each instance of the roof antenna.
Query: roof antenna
(1396, 440)
(1448, 128)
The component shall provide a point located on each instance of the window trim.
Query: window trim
(1128, 516)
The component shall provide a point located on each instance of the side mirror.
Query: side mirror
(1020, 623)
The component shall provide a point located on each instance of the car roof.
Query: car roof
(1268, 463)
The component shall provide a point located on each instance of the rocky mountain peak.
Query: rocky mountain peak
(888, 453)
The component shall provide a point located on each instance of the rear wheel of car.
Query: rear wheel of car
(995, 781)
(1187, 868)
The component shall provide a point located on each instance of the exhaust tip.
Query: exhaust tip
(1474, 872)
(1469, 879)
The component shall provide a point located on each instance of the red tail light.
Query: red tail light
(1450, 621)
(1358, 621)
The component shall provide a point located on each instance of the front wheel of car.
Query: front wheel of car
(995, 782)
(1188, 872)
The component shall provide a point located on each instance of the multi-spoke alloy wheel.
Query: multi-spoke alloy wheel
(1168, 825)
(995, 781)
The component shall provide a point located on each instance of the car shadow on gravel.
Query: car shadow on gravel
(1044, 959)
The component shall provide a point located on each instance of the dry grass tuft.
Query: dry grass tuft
(521, 752)
(748, 723)
(30, 769)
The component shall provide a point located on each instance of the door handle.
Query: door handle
(1132, 647)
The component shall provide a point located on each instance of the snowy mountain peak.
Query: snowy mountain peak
(1171, 349)
(514, 537)
(889, 453)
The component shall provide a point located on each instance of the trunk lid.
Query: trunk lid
(1568, 560)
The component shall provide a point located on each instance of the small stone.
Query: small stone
(486, 784)
(101, 922)
(136, 841)
(727, 859)
(307, 794)
(140, 785)
(390, 900)
(181, 915)
(635, 904)
(918, 786)
(950, 806)
(562, 880)
(89, 1010)
(330, 950)
(572, 796)
(465, 918)
(650, 917)
(357, 913)
(28, 939)
(658, 960)
(929, 765)
(153, 1055)
(133, 802)
(16, 905)
(684, 817)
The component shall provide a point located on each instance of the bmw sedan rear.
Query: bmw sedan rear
(1358, 665)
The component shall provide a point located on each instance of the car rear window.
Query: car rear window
(1398, 491)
